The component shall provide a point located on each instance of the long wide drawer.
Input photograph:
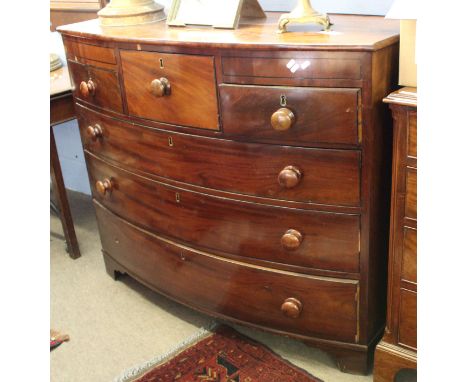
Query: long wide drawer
(317, 66)
(285, 301)
(321, 176)
(292, 236)
(290, 115)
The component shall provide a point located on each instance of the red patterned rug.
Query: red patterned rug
(221, 355)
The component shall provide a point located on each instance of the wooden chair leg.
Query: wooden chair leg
(62, 200)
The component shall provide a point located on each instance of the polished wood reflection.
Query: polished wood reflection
(229, 288)
(325, 241)
(172, 88)
(254, 163)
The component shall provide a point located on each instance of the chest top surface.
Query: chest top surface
(349, 32)
(407, 96)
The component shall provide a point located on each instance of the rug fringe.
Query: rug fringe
(131, 373)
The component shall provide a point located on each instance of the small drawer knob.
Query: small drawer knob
(87, 88)
(160, 87)
(104, 187)
(282, 119)
(94, 132)
(289, 177)
(291, 307)
(291, 240)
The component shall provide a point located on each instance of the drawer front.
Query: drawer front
(294, 67)
(188, 97)
(412, 134)
(104, 91)
(408, 268)
(75, 50)
(408, 319)
(323, 307)
(279, 172)
(291, 236)
(411, 193)
(288, 115)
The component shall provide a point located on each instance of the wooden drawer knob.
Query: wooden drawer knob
(94, 132)
(291, 307)
(291, 240)
(87, 88)
(282, 119)
(161, 87)
(289, 177)
(104, 186)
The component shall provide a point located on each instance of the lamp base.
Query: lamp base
(302, 14)
(131, 12)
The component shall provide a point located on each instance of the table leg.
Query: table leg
(62, 200)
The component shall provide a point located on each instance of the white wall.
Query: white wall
(70, 151)
(67, 135)
(368, 7)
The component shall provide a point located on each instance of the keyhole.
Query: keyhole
(161, 63)
(283, 100)
(170, 142)
(177, 197)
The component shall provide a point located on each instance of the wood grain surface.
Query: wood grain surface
(329, 176)
(408, 319)
(192, 100)
(330, 241)
(321, 115)
(198, 151)
(229, 288)
(397, 350)
(409, 266)
(362, 33)
(321, 67)
(107, 94)
(411, 193)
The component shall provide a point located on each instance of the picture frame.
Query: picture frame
(218, 14)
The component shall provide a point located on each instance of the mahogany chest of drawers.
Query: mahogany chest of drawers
(397, 350)
(245, 173)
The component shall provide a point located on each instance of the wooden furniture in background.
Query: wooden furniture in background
(62, 109)
(64, 12)
(246, 173)
(397, 350)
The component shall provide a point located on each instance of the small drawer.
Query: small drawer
(322, 176)
(293, 67)
(411, 193)
(412, 134)
(96, 86)
(172, 88)
(408, 268)
(290, 236)
(285, 301)
(407, 330)
(75, 50)
(290, 115)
